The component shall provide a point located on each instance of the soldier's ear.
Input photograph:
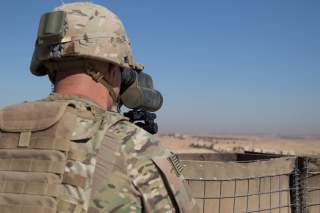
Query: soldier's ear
(114, 73)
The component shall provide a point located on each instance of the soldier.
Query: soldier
(70, 152)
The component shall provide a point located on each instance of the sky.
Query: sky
(223, 67)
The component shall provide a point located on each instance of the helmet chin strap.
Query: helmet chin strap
(99, 77)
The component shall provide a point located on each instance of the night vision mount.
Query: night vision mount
(137, 93)
(143, 119)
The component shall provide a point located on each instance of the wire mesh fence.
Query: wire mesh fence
(310, 184)
(282, 185)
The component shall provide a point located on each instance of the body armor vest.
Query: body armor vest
(48, 156)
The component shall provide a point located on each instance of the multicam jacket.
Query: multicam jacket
(64, 154)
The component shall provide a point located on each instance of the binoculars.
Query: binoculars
(137, 91)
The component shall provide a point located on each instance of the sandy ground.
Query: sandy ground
(233, 144)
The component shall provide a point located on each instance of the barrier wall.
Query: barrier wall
(230, 183)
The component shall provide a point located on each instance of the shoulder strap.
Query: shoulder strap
(109, 150)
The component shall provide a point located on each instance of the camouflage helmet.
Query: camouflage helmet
(80, 31)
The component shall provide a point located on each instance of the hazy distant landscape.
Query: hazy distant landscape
(284, 145)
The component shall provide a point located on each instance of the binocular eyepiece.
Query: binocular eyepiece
(137, 91)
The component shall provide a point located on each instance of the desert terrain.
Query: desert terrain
(301, 146)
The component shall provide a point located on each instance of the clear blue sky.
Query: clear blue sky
(242, 66)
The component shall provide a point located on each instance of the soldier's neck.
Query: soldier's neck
(81, 84)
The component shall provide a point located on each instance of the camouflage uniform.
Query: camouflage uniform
(99, 159)
(134, 181)
(64, 154)
(127, 177)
